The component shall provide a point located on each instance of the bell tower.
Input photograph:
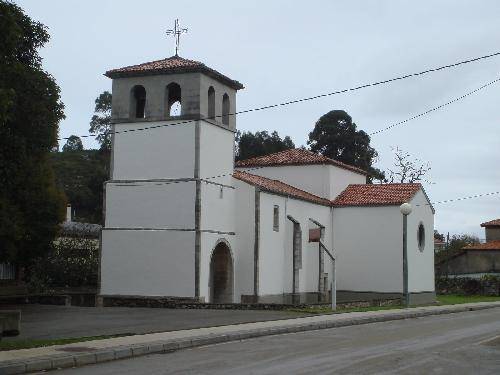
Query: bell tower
(173, 131)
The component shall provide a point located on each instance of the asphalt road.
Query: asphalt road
(48, 322)
(462, 343)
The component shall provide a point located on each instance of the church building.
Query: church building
(184, 222)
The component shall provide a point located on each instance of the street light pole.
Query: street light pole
(405, 209)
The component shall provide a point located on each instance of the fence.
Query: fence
(7, 271)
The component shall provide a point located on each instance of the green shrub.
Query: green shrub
(71, 262)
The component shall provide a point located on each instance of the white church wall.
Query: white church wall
(325, 181)
(420, 263)
(164, 152)
(161, 261)
(244, 220)
(368, 244)
(340, 178)
(273, 255)
(275, 248)
(303, 211)
(216, 153)
(149, 205)
(311, 178)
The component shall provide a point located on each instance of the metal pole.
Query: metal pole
(405, 261)
(334, 287)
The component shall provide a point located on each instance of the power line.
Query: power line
(398, 78)
(376, 132)
(467, 197)
(435, 108)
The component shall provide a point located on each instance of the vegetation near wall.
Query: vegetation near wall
(70, 263)
(486, 285)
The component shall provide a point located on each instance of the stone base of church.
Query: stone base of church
(304, 298)
(345, 299)
(145, 301)
(418, 298)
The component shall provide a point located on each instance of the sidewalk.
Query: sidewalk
(89, 352)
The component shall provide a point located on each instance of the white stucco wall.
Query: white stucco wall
(311, 178)
(368, 244)
(216, 159)
(420, 263)
(325, 181)
(340, 178)
(244, 220)
(150, 205)
(164, 152)
(275, 248)
(162, 263)
(309, 273)
(273, 254)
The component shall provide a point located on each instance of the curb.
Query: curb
(156, 347)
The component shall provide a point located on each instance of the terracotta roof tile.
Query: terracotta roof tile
(295, 156)
(376, 194)
(171, 65)
(490, 245)
(279, 187)
(492, 223)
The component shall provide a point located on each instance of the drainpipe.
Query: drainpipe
(334, 281)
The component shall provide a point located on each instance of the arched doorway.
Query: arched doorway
(221, 274)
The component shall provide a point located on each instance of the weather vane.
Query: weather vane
(176, 32)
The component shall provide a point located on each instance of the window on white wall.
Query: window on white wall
(276, 218)
(421, 237)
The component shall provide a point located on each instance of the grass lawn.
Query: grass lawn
(453, 299)
(449, 299)
(27, 344)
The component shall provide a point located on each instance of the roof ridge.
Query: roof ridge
(155, 61)
(295, 158)
(324, 200)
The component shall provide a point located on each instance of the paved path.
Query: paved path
(79, 354)
(47, 322)
(444, 344)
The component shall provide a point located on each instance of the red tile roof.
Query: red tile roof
(490, 245)
(295, 156)
(279, 187)
(171, 65)
(376, 194)
(492, 223)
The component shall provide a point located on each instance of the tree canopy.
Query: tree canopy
(100, 124)
(250, 145)
(407, 169)
(335, 136)
(81, 174)
(30, 110)
(74, 143)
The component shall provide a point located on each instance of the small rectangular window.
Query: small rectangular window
(276, 218)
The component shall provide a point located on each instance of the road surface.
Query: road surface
(461, 343)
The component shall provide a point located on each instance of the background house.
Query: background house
(476, 260)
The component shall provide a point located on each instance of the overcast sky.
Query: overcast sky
(282, 50)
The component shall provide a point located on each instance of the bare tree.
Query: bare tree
(407, 169)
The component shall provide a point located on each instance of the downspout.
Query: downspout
(334, 282)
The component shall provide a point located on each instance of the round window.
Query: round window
(421, 237)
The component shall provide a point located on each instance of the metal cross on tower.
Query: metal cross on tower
(176, 32)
